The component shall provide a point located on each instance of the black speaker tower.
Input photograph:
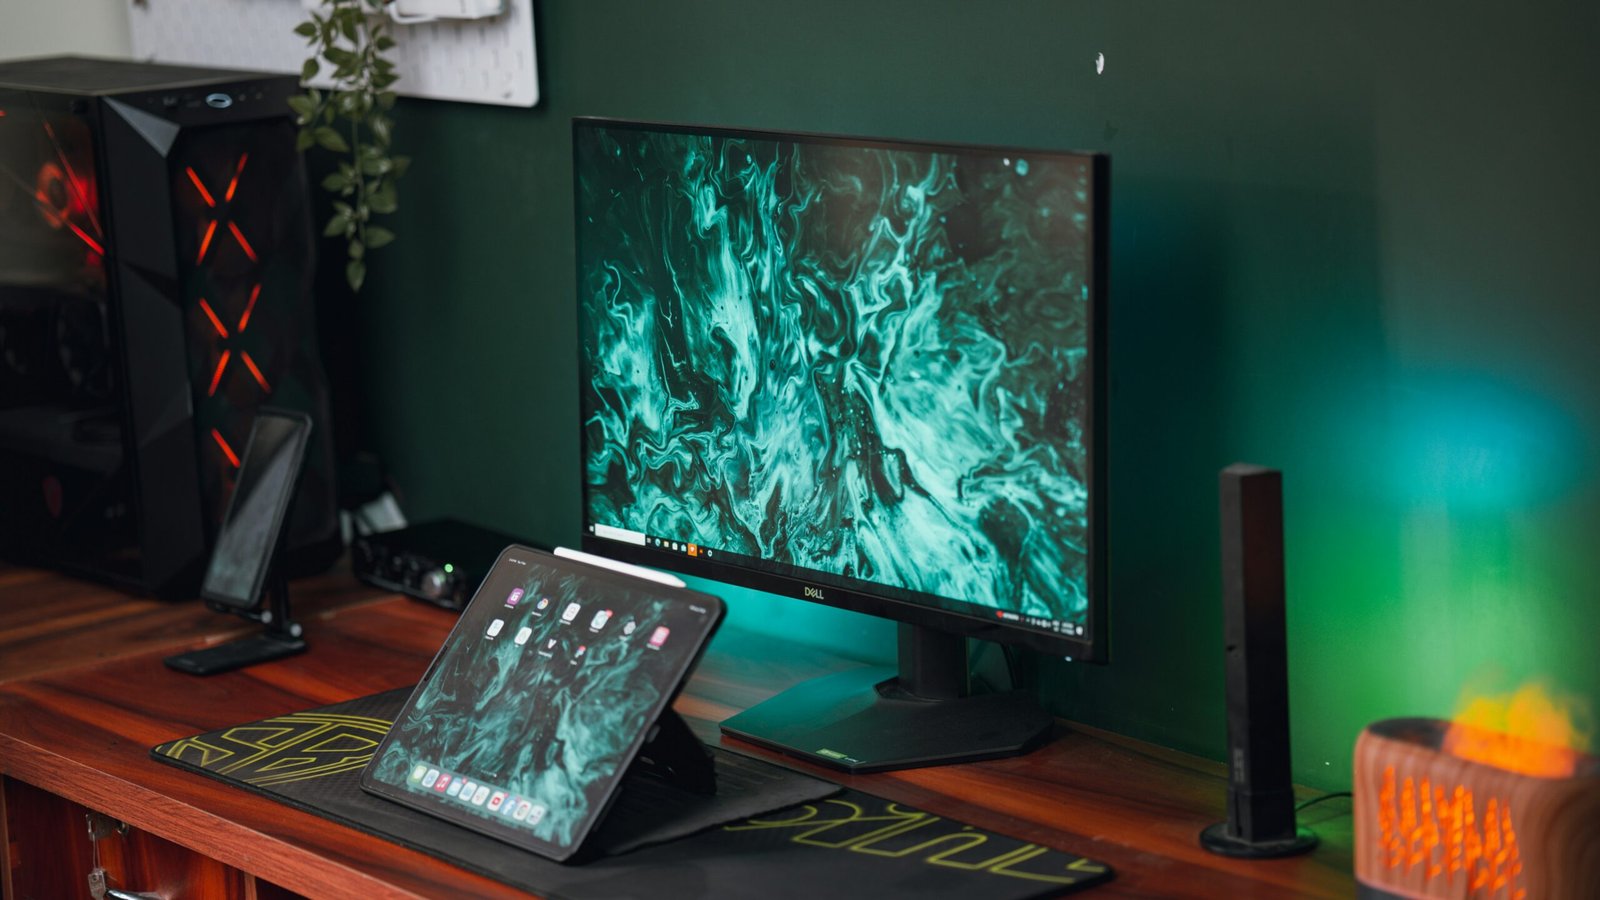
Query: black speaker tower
(1261, 815)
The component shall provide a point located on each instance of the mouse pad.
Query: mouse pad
(768, 832)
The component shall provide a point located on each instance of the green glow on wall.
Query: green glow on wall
(1472, 444)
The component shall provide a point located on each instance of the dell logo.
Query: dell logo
(812, 593)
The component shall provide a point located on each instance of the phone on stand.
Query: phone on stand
(245, 563)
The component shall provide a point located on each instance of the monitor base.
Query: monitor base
(859, 721)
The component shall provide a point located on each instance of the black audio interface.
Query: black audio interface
(441, 561)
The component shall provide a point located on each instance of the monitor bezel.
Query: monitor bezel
(1093, 646)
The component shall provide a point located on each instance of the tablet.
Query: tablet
(529, 716)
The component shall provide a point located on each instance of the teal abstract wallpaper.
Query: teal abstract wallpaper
(1354, 241)
(868, 362)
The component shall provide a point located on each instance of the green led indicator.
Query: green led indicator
(448, 568)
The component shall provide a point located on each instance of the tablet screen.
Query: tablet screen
(528, 717)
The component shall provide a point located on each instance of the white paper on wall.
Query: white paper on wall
(482, 61)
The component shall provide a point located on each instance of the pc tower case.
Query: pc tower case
(155, 289)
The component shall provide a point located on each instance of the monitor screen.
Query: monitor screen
(858, 372)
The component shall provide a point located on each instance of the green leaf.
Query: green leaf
(386, 99)
(339, 56)
(345, 208)
(347, 27)
(306, 29)
(384, 200)
(380, 130)
(355, 273)
(310, 69)
(337, 225)
(303, 105)
(332, 140)
(383, 80)
(305, 140)
(357, 250)
(378, 236)
(384, 42)
(336, 181)
(373, 166)
(401, 164)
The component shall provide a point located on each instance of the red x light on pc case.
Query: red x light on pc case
(156, 257)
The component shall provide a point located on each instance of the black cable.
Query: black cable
(1305, 803)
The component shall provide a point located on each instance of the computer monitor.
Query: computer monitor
(863, 373)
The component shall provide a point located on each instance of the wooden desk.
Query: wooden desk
(79, 736)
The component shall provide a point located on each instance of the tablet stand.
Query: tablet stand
(673, 754)
(281, 637)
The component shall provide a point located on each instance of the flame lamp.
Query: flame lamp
(1458, 811)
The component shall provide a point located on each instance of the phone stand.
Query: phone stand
(281, 637)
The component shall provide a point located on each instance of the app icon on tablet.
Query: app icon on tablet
(570, 613)
(659, 637)
(541, 606)
(496, 800)
(514, 598)
(480, 795)
(418, 771)
(523, 634)
(535, 813)
(495, 626)
(430, 778)
(442, 784)
(600, 619)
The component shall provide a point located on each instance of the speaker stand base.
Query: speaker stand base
(1217, 839)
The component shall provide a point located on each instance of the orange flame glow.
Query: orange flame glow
(1532, 731)
(1428, 825)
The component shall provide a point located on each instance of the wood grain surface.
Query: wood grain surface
(83, 733)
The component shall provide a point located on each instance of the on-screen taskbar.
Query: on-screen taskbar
(689, 550)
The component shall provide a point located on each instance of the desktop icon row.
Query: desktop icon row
(506, 805)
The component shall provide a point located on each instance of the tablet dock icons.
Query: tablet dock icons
(507, 805)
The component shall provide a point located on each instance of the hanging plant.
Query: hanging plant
(352, 120)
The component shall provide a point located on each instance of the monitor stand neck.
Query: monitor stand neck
(933, 664)
(871, 720)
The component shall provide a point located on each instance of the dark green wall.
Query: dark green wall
(1357, 241)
